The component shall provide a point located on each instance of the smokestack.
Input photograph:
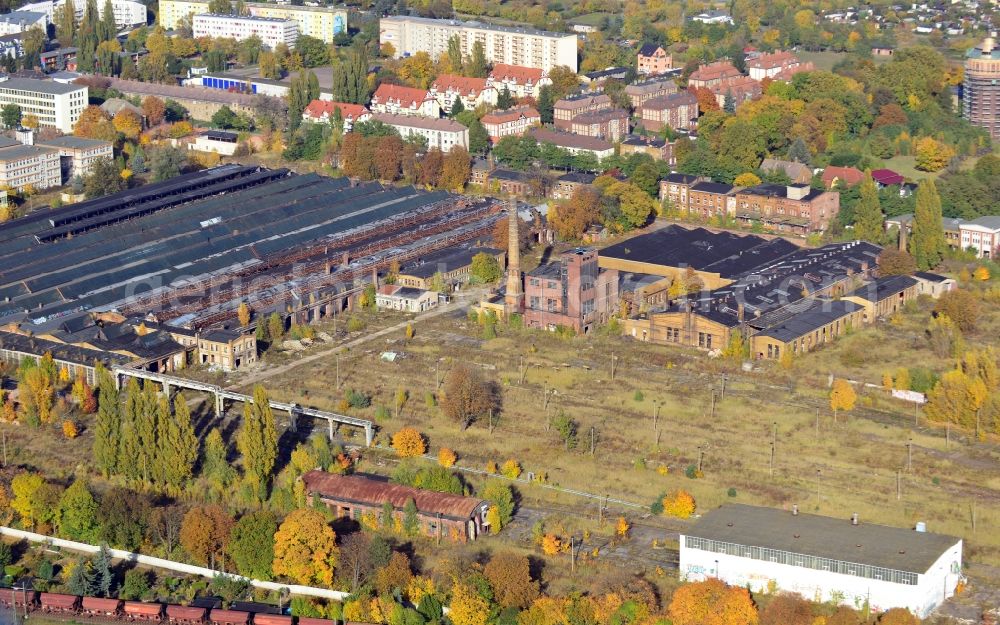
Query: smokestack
(795, 509)
(854, 519)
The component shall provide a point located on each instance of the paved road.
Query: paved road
(262, 374)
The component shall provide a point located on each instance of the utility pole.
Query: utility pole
(725, 378)
(338, 370)
(613, 360)
(817, 423)
(909, 456)
(592, 440)
(771, 465)
(899, 494)
(701, 456)
(713, 403)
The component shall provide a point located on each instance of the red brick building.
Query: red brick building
(439, 514)
(770, 65)
(711, 199)
(641, 92)
(653, 59)
(798, 209)
(741, 89)
(610, 124)
(399, 100)
(677, 110)
(572, 292)
(713, 75)
(520, 81)
(447, 88)
(510, 122)
(566, 109)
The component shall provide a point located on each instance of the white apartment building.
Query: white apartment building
(271, 31)
(28, 165)
(982, 235)
(321, 22)
(55, 104)
(443, 134)
(127, 12)
(823, 558)
(77, 155)
(21, 20)
(513, 46)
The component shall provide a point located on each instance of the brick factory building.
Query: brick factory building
(440, 514)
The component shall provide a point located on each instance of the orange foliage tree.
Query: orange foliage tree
(205, 532)
(95, 124)
(551, 545)
(154, 109)
(509, 576)
(305, 548)
(127, 123)
(408, 443)
(712, 602)
(446, 457)
(680, 504)
(898, 616)
(787, 609)
(842, 396)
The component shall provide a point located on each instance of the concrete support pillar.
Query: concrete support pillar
(291, 419)
(220, 406)
(329, 422)
(369, 435)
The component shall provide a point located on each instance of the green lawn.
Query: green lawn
(906, 165)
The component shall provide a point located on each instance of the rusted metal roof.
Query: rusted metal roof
(306, 620)
(352, 488)
(271, 619)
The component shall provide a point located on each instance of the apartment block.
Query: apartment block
(56, 105)
(566, 109)
(320, 22)
(511, 122)
(126, 12)
(323, 112)
(610, 124)
(641, 92)
(711, 199)
(770, 65)
(443, 134)
(23, 166)
(713, 75)
(513, 46)
(447, 88)
(795, 208)
(677, 110)
(271, 31)
(17, 22)
(653, 59)
(981, 89)
(521, 82)
(399, 100)
(77, 155)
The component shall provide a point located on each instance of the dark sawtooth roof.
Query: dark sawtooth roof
(818, 315)
(879, 289)
(825, 537)
(362, 490)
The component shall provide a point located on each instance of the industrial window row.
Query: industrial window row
(801, 560)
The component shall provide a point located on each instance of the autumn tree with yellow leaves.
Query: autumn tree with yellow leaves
(446, 457)
(712, 602)
(468, 607)
(679, 504)
(842, 396)
(305, 548)
(408, 443)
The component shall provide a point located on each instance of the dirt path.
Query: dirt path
(257, 376)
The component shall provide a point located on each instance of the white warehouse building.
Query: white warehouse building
(823, 558)
(271, 31)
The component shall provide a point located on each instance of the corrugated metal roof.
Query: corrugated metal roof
(358, 489)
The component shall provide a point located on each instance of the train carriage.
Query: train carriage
(185, 615)
(146, 612)
(98, 606)
(55, 603)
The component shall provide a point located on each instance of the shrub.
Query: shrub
(430, 400)
(446, 457)
(511, 469)
(681, 504)
(357, 399)
(408, 443)
(382, 414)
(731, 492)
(638, 396)
(136, 585)
(355, 325)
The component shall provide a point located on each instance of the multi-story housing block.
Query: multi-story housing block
(514, 46)
(653, 59)
(443, 134)
(56, 105)
(641, 92)
(271, 31)
(77, 155)
(399, 100)
(521, 82)
(566, 109)
(29, 167)
(981, 89)
(796, 208)
(677, 110)
(610, 124)
(321, 22)
(511, 122)
(473, 92)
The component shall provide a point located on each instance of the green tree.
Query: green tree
(479, 138)
(455, 54)
(411, 522)
(485, 268)
(214, 463)
(927, 243)
(222, 7)
(505, 99)
(799, 152)
(146, 422)
(252, 544)
(103, 576)
(868, 218)
(350, 77)
(275, 328)
(166, 163)
(314, 52)
(499, 494)
(104, 179)
(108, 426)
(106, 28)
(257, 441)
(10, 114)
(81, 579)
(546, 104)
(129, 463)
(478, 66)
(78, 513)
(179, 443)
(65, 18)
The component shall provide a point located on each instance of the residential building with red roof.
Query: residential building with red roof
(769, 65)
(677, 110)
(522, 82)
(848, 176)
(510, 122)
(574, 144)
(322, 112)
(473, 91)
(886, 178)
(399, 100)
(566, 109)
(742, 89)
(714, 74)
(443, 134)
(653, 59)
(786, 74)
(610, 124)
